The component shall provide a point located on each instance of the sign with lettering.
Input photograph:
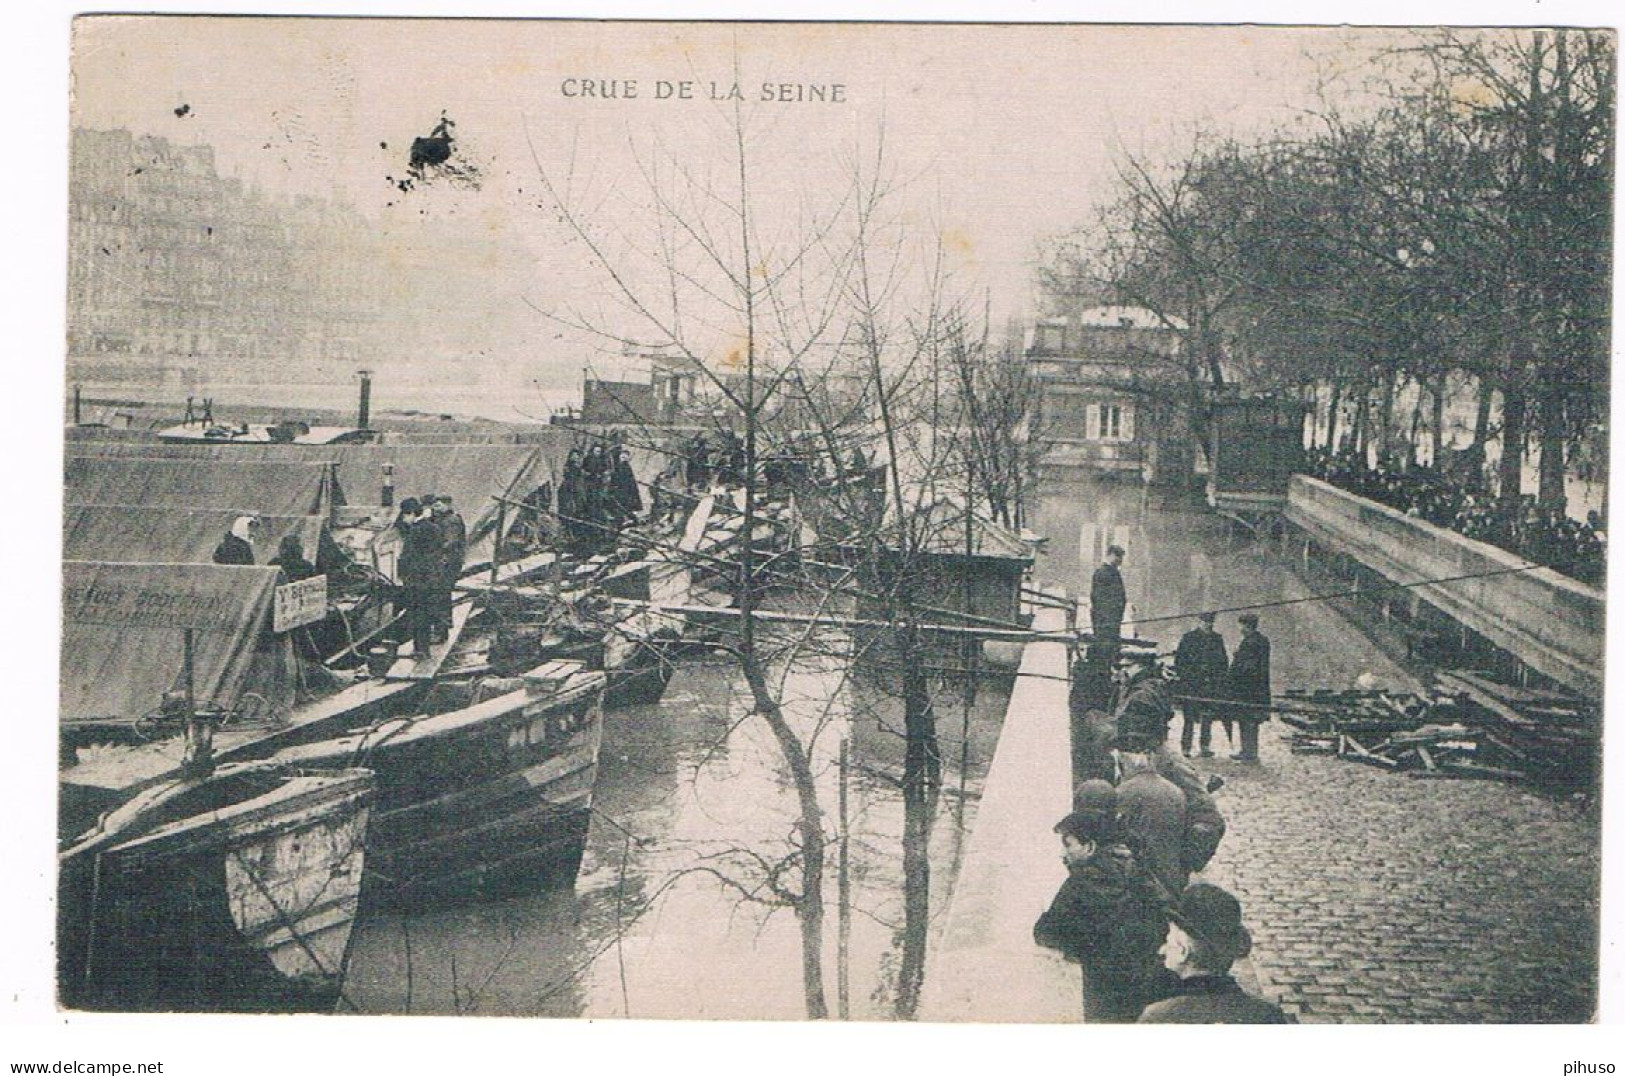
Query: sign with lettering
(301, 603)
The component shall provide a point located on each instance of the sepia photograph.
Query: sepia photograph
(996, 523)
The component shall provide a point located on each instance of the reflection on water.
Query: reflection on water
(671, 916)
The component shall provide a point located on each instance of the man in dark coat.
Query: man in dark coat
(237, 547)
(699, 463)
(1250, 685)
(1144, 729)
(1108, 915)
(453, 551)
(1201, 663)
(1205, 938)
(1151, 811)
(420, 569)
(1108, 600)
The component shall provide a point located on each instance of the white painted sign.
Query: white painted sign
(298, 604)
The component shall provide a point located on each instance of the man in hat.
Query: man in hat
(1108, 915)
(1201, 663)
(1205, 938)
(1250, 685)
(1108, 600)
(1151, 811)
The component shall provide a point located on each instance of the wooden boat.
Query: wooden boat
(233, 892)
(486, 792)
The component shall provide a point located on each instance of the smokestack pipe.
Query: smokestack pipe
(364, 411)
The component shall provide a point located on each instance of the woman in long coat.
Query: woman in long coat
(595, 469)
(625, 499)
(572, 506)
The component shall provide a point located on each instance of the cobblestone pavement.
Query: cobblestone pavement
(1379, 897)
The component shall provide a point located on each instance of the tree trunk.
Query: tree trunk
(1415, 454)
(810, 829)
(922, 769)
(1437, 432)
(1512, 441)
(1553, 441)
(1486, 404)
(1332, 414)
(1362, 415)
(1386, 433)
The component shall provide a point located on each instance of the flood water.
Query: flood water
(666, 919)
(690, 791)
(1181, 559)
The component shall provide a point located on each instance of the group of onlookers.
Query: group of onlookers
(1154, 947)
(598, 496)
(1541, 534)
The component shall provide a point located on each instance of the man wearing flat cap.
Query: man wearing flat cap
(1205, 938)
(1108, 915)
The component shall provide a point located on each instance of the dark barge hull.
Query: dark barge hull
(236, 893)
(485, 801)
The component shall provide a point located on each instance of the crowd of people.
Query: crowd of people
(1543, 535)
(1154, 946)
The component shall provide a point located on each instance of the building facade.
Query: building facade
(180, 278)
(1103, 375)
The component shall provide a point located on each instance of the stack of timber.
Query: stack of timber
(720, 541)
(1552, 737)
(1469, 726)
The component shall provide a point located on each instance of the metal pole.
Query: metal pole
(186, 671)
(76, 392)
(496, 539)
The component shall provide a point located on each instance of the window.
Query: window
(1111, 422)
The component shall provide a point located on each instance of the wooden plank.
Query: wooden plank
(420, 667)
(1427, 759)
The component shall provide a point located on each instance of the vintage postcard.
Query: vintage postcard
(880, 522)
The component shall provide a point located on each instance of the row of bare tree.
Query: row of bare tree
(1443, 219)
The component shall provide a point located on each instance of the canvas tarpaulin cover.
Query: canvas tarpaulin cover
(277, 488)
(172, 535)
(123, 636)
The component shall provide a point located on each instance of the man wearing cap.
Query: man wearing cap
(1250, 685)
(1108, 600)
(1108, 915)
(1144, 729)
(1205, 938)
(1201, 663)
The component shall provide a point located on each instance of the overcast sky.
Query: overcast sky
(1006, 133)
